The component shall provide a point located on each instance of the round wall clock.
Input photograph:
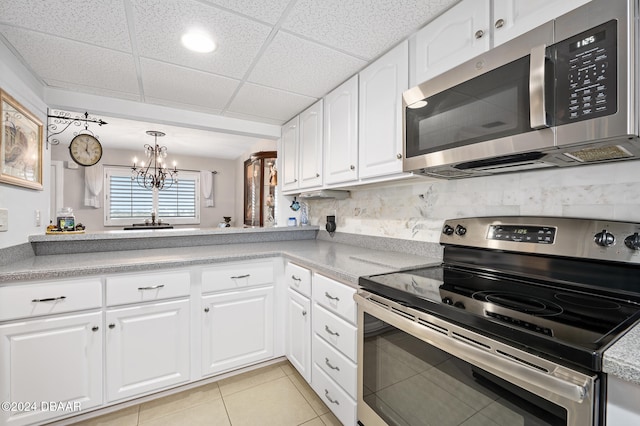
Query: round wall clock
(85, 149)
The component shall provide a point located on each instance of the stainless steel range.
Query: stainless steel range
(510, 329)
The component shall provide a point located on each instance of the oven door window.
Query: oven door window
(490, 106)
(410, 382)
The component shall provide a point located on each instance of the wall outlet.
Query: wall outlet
(4, 220)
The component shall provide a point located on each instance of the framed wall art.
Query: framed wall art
(20, 145)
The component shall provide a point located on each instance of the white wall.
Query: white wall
(22, 203)
(93, 218)
(416, 211)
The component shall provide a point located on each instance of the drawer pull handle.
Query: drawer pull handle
(241, 276)
(152, 287)
(293, 277)
(328, 296)
(95, 328)
(326, 361)
(49, 299)
(112, 326)
(333, 401)
(331, 332)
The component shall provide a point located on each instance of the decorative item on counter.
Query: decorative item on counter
(331, 224)
(295, 205)
(304, 214)
(66, 220)
(80, 227)
(51, 226)
(292, 221)
(227, 221)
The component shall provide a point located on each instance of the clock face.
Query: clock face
(85, 150)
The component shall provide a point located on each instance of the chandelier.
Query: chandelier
(155, 174)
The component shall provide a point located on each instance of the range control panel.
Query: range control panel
(556, 236)
(586, 70)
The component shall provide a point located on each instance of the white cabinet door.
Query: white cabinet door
(52, 359)
(380, 114)
(341, 133)
(289, 154)
(515, 17)
(237, 329)
(310, 172)
(299, 333)
(147, 348)
(454, 37)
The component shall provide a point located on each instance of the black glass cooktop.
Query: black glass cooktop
(568, 323)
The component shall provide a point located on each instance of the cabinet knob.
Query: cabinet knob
(112, 326)
(317, 174)
(295, 180)
(352, 167)
(399, 156)
(499, 23)
(95, 328)
(304, 313)
(479, 34)
(206, 309)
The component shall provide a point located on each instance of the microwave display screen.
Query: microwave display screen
(587, 41)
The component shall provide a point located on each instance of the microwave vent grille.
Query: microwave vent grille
(447, 174)
(599, 154)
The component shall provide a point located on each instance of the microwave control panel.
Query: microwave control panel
(586, 75)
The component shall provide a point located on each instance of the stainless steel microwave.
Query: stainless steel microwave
(563, 94)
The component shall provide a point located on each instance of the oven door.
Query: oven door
(416, 369)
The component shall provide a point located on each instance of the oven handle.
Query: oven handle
(524, 375)
(537, 111)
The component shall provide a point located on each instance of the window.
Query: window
(126, 202)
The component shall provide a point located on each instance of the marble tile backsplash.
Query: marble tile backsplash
(417, 209)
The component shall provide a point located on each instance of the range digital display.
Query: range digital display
(522, 234)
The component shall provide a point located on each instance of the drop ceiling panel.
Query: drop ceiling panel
(296, 65)
(270, 103)
(365, 28)
(186, 86)
(102, 23)
(266, 11)
(74, 62)
(159, 24)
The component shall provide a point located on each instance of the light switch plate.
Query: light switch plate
(4, 220)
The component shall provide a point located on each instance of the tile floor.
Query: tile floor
(273, 395)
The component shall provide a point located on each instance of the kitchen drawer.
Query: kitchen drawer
(237, 275)
(298, 278)
(335, 296)
(134, 288)
(46, 298)
(339, 333)
(341, 404)
(337, 366)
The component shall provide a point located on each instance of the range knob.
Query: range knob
(633, 241)
(461, 230)
(447, 230)
(604, 238)
(459, 305)
(447, 301)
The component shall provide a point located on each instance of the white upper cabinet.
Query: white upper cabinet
(341, 133)
(454, 37)
(289, 155)
(310, 171)
(380, 113)
(515, 17)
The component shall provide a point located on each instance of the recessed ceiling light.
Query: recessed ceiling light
(198, 41)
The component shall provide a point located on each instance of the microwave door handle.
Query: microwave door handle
(537, 112)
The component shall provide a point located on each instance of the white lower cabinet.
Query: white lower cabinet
(147, 348)
(50, 359)
(299, 333)
(334, 347)
(237, 329)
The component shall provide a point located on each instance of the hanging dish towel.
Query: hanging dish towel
(206, 187)
(93, 179)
